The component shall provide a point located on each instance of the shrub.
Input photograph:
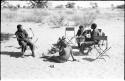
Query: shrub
(32, 18)
(42, 12)
(8, 15)
(5, 36)
(121, 6)
(57, 20)
(70, 5)
(35, 16)
(69, 12)
(59, 6)
(85, 19)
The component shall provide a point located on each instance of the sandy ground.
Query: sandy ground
(36, 68)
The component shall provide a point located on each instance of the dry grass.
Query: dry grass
(5, 36)
(69, 12)
(25, 15)
(85, 19)
(55, 17)
(34, 16)
(8, 15)
(57, 20)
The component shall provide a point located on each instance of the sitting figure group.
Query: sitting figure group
(86, 35)
(65, 51)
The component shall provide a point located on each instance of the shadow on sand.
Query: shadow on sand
(54, 27)
(12, 54)
(77, 53)
(80, 54)
(89, 59)
(12, 47)
(5, 36)
(55, 59)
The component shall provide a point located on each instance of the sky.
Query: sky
(84, 4)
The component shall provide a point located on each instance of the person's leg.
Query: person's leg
(32, 47)
(23, 47)
(23, 51)
(78, 45)
(78, 42)
(20, 44)
(82, 47)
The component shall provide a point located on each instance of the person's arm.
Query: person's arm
(77, 32)
(26, 34)
(98, 33)
(83, 33)
(17, 36)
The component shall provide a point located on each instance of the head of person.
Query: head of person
(19, 27)
(93, 26)
(80, 27)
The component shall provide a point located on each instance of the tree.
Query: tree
(94, 5)
(70, 5)
(3, 2)
(121, 6)
(18, 6)
(38, 3)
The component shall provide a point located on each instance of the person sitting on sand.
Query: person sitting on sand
(64, 52)
(23, 40)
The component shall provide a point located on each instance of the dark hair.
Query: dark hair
(93, 26)
(80, 26)
(19, 26)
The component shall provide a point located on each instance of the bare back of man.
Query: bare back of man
(64, 55)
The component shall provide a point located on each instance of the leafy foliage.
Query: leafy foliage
(70, 5)
(38, 3)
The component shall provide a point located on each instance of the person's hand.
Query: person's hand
(74, 60)
(30, 37)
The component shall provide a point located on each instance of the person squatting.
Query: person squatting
(24, 40)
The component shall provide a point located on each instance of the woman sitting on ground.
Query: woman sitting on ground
(64, 52)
